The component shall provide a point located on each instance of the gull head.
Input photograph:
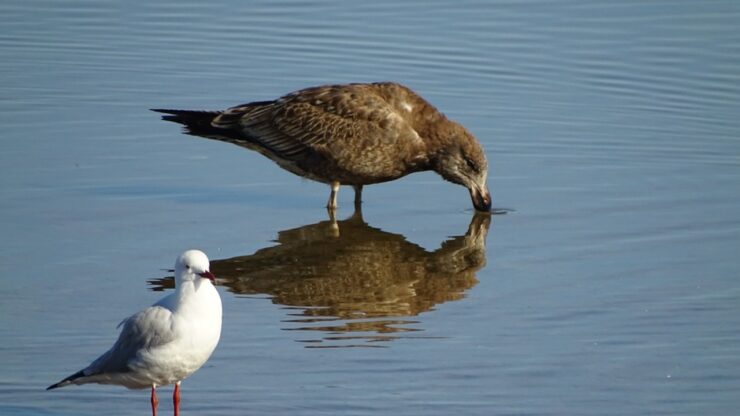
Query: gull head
(463, 161)
(191, 266)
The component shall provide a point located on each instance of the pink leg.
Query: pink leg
(332, 204)
(176, 398)
(154, 400)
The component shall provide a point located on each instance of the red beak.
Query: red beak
(209, 276)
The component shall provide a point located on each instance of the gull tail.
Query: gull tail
(67, 381)
(195, 122)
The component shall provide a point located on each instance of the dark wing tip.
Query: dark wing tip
(172, 111)
(196, 120)
(67, 380)
(175, 112)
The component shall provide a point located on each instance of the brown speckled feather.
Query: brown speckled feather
(352, 128)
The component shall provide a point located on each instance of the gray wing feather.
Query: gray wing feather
(147, 329)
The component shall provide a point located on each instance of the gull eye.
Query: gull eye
(472, 165)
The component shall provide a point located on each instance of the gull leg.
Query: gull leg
(176, 398)
(154, 400)
(358, 196)
(332, 204)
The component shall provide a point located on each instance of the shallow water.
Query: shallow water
(611, 130)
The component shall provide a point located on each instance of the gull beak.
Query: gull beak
(481, 198)
(208, 275)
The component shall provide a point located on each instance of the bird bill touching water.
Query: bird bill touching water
(167, 342)
(350, 134)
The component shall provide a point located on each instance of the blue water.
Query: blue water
(612, 132)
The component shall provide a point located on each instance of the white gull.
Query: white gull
(168, 341)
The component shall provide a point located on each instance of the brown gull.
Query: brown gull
(350, 134)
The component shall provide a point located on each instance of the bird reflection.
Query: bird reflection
(353, 283)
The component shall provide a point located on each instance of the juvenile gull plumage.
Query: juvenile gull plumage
(351, 134)
(167, 342)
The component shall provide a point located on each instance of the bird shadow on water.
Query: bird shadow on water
(354, 284)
